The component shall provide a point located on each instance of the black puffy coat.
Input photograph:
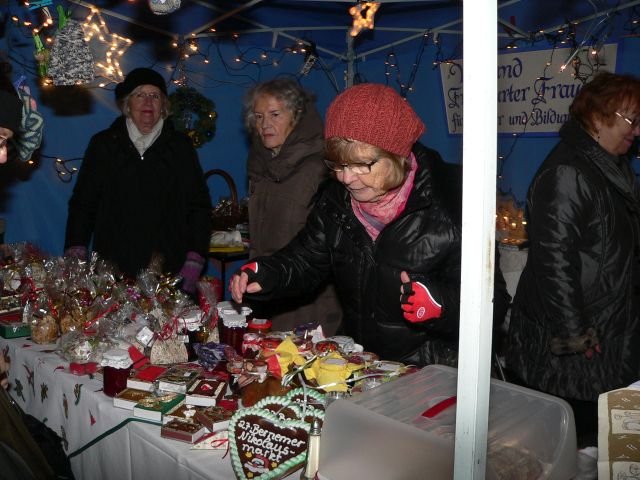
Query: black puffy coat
(133, 206)
(582, 272)
(424, 240)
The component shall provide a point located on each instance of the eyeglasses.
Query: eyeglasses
(355, 168)
(632, 123)
(141, 96)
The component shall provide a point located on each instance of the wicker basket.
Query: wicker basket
(227, 214)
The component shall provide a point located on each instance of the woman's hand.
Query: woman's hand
(416, 301)
(243, 281)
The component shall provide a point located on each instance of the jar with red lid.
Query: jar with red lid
(270, 342)
(259, 325)
(232, 330)
(116, 365)
(193, 331)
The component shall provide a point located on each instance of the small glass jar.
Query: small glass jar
(232, 331)
(116, 365)
(251, 345)
(259, 325)
(192, 332)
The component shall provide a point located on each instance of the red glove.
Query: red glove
(417, 303)
(251, 269)
(257, 273)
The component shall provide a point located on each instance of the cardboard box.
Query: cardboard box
(154, 408)
(189, 432)
(619, 434)
(206, 392)
(11, 325)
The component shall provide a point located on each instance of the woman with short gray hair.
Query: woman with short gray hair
(285, 168)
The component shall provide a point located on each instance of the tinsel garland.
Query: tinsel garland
(193, 114)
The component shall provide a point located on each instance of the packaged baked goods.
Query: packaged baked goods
(44, 329)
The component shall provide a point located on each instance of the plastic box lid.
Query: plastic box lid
(381, 434)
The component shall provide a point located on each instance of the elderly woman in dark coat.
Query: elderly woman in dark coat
(140, 191)
(285, 167)
(575, 323)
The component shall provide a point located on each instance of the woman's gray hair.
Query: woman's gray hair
(124, 107)
(285, 90)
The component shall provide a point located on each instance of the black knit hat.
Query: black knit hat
(11, 111)
(137, 77)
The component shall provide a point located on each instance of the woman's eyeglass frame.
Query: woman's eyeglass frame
(635, 123)
(142, 96)
(358, 168)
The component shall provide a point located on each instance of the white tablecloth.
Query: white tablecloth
(76, 408)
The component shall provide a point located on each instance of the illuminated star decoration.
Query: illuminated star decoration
(368, 9)
(96, 28)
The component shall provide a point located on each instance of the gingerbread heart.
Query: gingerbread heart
(307, 396)
(265, 447)
(279, 406)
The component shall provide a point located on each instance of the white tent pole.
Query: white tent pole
(479, 153)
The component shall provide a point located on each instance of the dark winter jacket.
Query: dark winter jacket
(133, 206)
(424, 240)
(281, 189)
(582, 272)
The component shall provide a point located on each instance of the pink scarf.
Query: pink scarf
(375, 216)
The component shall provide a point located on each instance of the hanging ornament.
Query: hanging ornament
(163, 7)
(70, 61)
(41, 55)
(193, 114)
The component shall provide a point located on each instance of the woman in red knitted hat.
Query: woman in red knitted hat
(383, 231)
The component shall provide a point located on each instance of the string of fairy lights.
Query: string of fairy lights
(206, 49)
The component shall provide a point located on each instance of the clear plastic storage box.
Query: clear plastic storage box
(381, 433)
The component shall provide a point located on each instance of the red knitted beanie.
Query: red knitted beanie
(374, 114)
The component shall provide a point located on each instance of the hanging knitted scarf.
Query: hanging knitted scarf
(375, 216)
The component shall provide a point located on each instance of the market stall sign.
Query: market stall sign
(534, 92)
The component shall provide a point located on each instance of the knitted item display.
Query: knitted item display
(70, 61)
(162, 7)
(374, 114)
